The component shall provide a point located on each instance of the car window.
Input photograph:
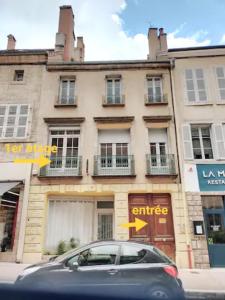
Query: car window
(136, 254)
(72, 260)
(100, 255)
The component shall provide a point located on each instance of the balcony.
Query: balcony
(112, 100)
(114, 166)
(156, 100)
(160, 165)
(66, 101)
(62, 166)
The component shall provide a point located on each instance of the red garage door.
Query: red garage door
(156, 210)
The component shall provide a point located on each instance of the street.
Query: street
(198, 283)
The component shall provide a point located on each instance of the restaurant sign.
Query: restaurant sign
(211, 177)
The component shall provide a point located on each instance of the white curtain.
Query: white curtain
(69, 219)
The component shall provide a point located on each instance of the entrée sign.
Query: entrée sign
(148, 210)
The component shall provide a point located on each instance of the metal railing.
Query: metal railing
(114, 165)
(149, 99)
(62, 166)
(60, 100)
(160, 164)
(113, 99)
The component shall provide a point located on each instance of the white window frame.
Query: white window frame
(64, 136)
(153, 79)
(16, 125)
(114, 166)
(199, 127)
(68, 80)
(113, 90)
(196, 90)
(217, 81)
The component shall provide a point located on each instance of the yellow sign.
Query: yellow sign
(30, 148)
(138, 224)
(147, 210)
(162, 220)
(41, 161)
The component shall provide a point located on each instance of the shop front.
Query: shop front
(211, 179)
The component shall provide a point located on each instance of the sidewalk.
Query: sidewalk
(195, 280)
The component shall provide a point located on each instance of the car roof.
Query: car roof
(121, 242)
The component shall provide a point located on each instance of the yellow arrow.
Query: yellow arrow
(138, 224)
(41, 161)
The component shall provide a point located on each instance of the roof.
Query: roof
(197, 48)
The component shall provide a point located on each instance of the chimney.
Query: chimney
(80, 47)
(11, 45)
(153, 43)
(65, 36)
(157, 43)
(163, 41)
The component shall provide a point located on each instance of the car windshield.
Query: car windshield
(60, 258)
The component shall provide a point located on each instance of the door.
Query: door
(97, 269)
(156, 210)
(214, 214)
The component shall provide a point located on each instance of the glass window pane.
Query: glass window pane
(220, 72)
(132, 254)
(102, 255)
(2, 110)
(199, 73)
(197, 153)
(105, 226)
(21, 132)
(188, 74)
(22, 120)
(221, 83)
(23, 109)
(190, 85)
(12, 110)
(191, 96)
(202, 96)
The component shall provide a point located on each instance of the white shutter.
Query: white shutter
(187, 141)
(114, 136)
(219, 141)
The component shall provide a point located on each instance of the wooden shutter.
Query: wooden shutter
(219, 141)
(187, 141)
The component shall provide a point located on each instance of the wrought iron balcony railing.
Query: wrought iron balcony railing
(150, 99)
(160, 164)
(62, 166)
(114, 165)
(113, 100)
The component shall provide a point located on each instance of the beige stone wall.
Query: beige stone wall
(90, 89)
(198, 243)
(38, 203)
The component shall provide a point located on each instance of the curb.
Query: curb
(209, 295)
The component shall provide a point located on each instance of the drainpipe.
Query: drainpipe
(188, 242)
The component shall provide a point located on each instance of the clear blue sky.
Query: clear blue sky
(206, 15)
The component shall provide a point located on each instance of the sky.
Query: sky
(114, 29)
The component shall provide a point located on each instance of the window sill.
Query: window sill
(78, 177)
(220, 102)
(199, 104)
(161, 176)
(113, 105)
(156, 103)
(22, 82)
(58, 105)
(16, 140)
(112, 176)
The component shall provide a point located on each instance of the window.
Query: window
(114, 91)
(18, 75)
(67, 142)
(137, 254)
(154, 90)
(105, 226)
(195, 86)
(67, 92)
(220, 72)
(101, 255)
(13, 121)
(158, 147)
(114, 155)
(201, 141)
(105, 219)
